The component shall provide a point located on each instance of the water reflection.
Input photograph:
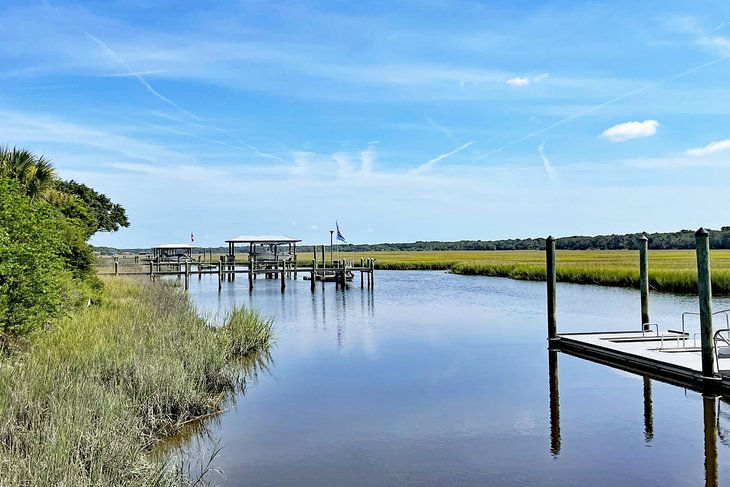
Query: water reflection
(710, 423)
(648, 412)
(554, 403)
(711, 411)
(435, 379)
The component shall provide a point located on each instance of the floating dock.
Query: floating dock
(672, 356)
(700, 361)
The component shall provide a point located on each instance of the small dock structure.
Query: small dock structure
(270, 256)
(698, 361)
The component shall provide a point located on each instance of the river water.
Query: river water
(438, 379)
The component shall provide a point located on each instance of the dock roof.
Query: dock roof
(275, 239)
(173, 246)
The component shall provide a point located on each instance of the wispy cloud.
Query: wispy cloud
(432, 163)
(630, 130)
(448, 133)
(711, 148)
(549, 168)
(605, 103)
(111, 52)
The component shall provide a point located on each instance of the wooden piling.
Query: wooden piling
(187, 275)
(116, 268)
(343, 274)
(251, 274)
(283, 276)
(220, 275)
(644, 280)
(313, 276)
(152, 269)
(704, 286)
(551, 284)
(372, 273)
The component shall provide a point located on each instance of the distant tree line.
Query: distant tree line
(683, 239)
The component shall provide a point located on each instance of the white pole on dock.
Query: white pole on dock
(704, 287)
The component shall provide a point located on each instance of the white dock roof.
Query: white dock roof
(263, 239)
(173, 246)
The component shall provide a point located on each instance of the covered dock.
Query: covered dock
(265, 250)
(174, 252)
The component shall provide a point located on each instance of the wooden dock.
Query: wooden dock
(340, 272)
(700, 361)
(669, 356)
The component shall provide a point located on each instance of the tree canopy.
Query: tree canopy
(109, 215)
(45, 260)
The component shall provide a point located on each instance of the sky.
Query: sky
(402, 120)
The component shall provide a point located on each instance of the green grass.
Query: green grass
(669, 270)
(88, 400)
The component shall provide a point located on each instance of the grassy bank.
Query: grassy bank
(88, 399)
(669, 270)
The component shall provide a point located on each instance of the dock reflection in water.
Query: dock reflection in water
(711, 409)
(436, 379)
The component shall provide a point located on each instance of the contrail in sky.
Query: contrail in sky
(162, 97)
(601, 105)
(432, 162)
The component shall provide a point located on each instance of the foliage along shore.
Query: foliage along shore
(85, 401)
(669, 271)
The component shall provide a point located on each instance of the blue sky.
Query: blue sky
(404, 120)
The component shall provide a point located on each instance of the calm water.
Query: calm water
(437, 379)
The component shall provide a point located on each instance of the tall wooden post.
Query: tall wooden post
(372, 273)
(152, 268)
(644, 280)
(704, 286)
(313, 276)
(220, 275)
(187, 275)
(116, 268)
(551, 284)
(250, 272)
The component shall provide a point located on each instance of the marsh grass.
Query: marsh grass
(669, 270)
(90, 398)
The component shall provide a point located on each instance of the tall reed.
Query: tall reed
(92, 396)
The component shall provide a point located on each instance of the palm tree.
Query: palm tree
(34, 174)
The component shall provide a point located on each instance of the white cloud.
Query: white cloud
(518, 81)
(710, 148)
(524, 81)
(630, 130)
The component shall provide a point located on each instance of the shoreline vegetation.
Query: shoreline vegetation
(669, 270)
(86, 400)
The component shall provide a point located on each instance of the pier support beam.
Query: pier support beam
(644, 280)
(704, 286)
(551, 284)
